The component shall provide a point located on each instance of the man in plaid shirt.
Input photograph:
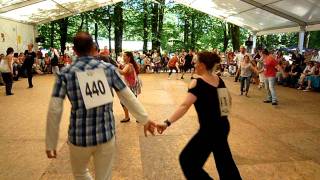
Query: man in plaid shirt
(92, 126)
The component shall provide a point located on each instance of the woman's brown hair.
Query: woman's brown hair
(209, 59)
(132, 61)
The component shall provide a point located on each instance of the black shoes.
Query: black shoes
(273, 103)
(9, 94)
(30, 86)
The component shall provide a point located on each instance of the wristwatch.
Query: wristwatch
(167, 122)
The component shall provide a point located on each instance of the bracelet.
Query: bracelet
(167, 122)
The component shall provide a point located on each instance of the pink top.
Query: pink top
(130, 77)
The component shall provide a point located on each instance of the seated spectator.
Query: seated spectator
(313, 80)
(47, 64)
(36, 67)
(308, 71)
(286, 71)
(293, 76)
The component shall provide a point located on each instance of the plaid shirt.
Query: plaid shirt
(93, 126)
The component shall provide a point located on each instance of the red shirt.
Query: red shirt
(270, 66)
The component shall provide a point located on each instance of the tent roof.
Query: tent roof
(261, 16)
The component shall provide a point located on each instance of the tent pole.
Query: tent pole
(301, 38)
(254, 39)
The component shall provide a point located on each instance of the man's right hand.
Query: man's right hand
(51, 154)
(149, 126)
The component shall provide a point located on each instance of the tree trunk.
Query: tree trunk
(63, 33)
(52, 34)
(118, 27)
(87, 23)
(160, 24)
(306, 39)
(225, 36)
(81, 24)
(186, 33)
(193, 35)
(145, 26)
(154, 23)
(235, 36)
(96, 29)
(109, 28)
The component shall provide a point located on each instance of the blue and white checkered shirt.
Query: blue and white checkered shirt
(93, 126)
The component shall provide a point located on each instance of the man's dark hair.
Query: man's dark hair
(83, 43)
(10, 50)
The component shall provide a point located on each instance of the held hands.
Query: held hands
(161, 128)
(150, 126)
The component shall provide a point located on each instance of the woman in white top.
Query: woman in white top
(7, 71)
(246, 71)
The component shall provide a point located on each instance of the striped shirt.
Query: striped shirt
(93, 126)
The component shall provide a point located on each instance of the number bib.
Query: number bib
(224, 100)
(94, 88)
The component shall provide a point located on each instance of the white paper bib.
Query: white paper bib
(225, 103)
(94, 88)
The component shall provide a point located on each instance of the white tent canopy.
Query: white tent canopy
(263, 16)
(259, 16)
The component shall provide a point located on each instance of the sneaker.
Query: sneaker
(267, 101)
(307, 89)
(274, 103)
(299, 88)
(169, 78)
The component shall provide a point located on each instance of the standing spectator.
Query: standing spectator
(270, 65)
(54, 61)
(30, 57)
(6, 70)
(92, 128)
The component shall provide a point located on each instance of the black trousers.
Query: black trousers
(197, 151)
(8, 80)
(29, 75)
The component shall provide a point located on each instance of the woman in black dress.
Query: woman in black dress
(206, 93)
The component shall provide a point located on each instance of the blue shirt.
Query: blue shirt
(93, 126)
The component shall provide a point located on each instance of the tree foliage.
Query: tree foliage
(169, 26)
